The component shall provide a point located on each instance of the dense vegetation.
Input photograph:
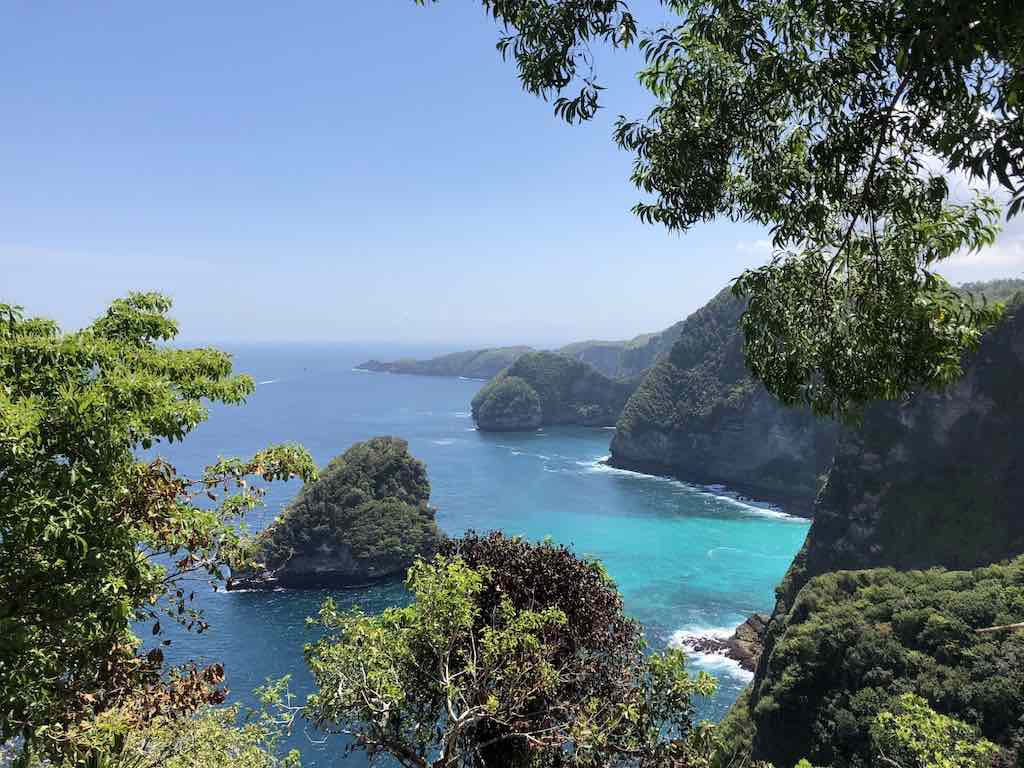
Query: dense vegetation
(703, 374)
(94, 541)
(855, 641)
(366, 517)
(568, 392)
(836, 125)
(511, 654)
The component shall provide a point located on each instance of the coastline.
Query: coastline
(456, 376)
(789, 504)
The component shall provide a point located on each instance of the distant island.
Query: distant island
(474, 364)
(367, 518)
(615, 359)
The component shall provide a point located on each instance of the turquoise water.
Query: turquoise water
(686, 558)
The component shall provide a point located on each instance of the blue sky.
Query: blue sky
(332, 171)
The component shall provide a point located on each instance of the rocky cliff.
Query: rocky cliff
(365, 519)
(743, 646)
(700, 415)
(545, 388)
(935, 480)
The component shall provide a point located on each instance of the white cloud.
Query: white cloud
(754, 247)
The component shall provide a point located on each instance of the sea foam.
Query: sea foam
(712, 491)
(715, 663)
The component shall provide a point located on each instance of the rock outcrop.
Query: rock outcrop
(545, 388)
(365, 519)
(701, 416)
(509, 405)
(744, 646)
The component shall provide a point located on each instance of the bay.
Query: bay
(687, 558)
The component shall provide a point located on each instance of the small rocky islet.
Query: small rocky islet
(365, 519)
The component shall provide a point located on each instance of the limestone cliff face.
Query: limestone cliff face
(935, 480)
(546, 388)
(365, 519)
(700, 415)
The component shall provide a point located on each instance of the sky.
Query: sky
(334, 171)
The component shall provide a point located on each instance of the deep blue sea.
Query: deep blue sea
(686, 558)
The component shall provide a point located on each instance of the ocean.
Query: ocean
(687, 558)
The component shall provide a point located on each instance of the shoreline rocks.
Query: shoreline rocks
(744, 646)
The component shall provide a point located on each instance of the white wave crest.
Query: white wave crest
(713, 491)
(715, 663)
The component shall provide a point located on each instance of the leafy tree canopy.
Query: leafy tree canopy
(835, 123)
(92, 540)
(916, 736)
(480, 669)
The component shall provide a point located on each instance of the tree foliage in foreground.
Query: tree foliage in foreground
(212, 737)
(472, 675)
(913, 735)
(92, 540)
(597, 639)
(835, 123)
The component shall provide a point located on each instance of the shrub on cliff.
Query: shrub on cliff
(511, 654)
(854, 642)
